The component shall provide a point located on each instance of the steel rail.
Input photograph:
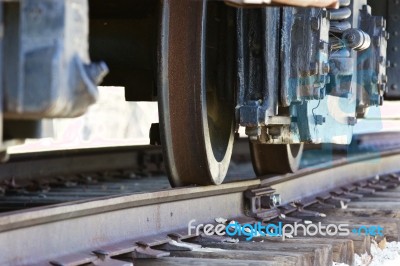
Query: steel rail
(77, 226)
(68, 162)
(32, 165)
(329, 175)
(31, 235)
(42, 164)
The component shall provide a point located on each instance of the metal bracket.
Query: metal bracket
(263, 202)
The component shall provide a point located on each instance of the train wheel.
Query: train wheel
(196, 90)
(275, 158)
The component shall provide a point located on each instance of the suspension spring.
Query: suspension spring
(339, 23)
(342, 34)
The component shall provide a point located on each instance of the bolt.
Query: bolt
(394, 87)
(319, 119)
(388, 63)
(316, 92)
(351, 121)
(350, 38)
(366, 9)
(253, 131)
(275, 200)
(275, 132)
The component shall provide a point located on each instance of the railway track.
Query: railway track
(44, 178)
(152, 228)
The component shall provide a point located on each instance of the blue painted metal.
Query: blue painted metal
(325, 72)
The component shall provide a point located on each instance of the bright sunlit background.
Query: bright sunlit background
(110, 122)
(114, 122)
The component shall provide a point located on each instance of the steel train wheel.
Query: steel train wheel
(275, 158)
(196, 90)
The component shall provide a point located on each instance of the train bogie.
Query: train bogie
(289, 75)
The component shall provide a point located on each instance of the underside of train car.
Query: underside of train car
(290, 75)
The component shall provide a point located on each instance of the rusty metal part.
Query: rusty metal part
(196, 128)
(300, 3)
(275, 158)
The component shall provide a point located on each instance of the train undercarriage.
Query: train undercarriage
(288, 75)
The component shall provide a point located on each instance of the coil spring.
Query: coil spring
(339, 24)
